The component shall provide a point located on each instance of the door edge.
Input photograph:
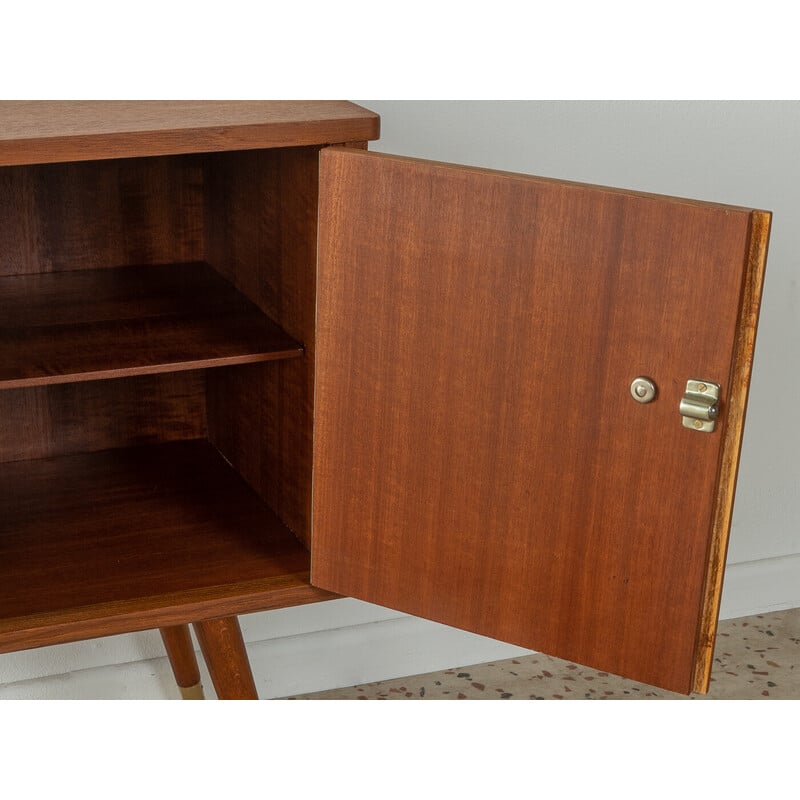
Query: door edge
(744, 346)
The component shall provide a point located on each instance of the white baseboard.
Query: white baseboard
(327, 645)
(758, 587)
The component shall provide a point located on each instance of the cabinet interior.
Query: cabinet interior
(156, 376)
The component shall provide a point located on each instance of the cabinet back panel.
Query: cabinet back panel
(100, 214)
(261, 221)
(44, 421)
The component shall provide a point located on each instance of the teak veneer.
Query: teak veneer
(205, 305)
(64, 327)
(86, 537)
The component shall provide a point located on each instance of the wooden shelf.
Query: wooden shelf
(129, 539)
(63, 327)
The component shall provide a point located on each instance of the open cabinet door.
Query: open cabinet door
(479, 457)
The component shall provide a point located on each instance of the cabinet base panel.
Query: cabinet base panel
(113, 542)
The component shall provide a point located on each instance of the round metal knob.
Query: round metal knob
(643, 390)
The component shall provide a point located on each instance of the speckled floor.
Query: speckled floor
(755, 658)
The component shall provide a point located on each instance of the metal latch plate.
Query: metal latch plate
(700, 405)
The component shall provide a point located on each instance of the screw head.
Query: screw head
(698, 424)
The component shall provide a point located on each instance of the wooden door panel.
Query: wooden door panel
(478, 459)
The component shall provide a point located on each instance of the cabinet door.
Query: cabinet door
(479, 458)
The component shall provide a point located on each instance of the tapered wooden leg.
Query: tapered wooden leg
(178, 643)
(226, 657)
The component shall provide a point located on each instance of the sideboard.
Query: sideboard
(248, 364)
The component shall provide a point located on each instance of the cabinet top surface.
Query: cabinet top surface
(47, 131)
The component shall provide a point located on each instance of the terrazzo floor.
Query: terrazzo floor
(755, 658)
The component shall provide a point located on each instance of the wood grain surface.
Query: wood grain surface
(95, 215)
(180, 651)
(261, 228)
(34, 132)
(44, 421)
(96, 283)
(226, 658)
(91, 324)
(478, 457)
(122, 540)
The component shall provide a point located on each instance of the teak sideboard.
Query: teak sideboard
(246, 363)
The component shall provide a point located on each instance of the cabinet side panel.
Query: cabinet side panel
(261, 217)
(100, 214)
(44, 421)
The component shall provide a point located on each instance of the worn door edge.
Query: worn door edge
(741, 369)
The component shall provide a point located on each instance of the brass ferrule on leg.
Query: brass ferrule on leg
(192, 692)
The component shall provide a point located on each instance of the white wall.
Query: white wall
(740, 153)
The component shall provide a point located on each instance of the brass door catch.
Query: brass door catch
(700, 405)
